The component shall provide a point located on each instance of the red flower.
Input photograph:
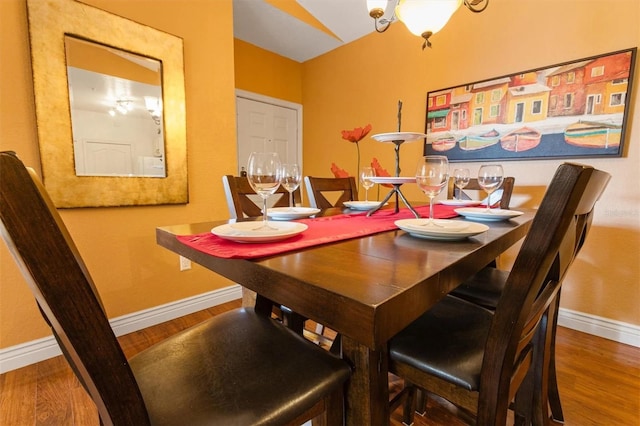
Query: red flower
(357, 134)
(338, 172)
(380, 171)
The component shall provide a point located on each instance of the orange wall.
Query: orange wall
(131, 271)
(263, 72)
(369, 76)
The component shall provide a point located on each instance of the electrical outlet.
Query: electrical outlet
(185, 264)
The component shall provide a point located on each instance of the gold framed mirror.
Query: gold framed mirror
(51, 24)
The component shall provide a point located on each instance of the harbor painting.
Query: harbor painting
(570, 110)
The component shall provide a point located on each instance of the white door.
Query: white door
(266, 124)
(106, 159)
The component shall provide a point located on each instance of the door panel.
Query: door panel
(263, 126)
(106, 158)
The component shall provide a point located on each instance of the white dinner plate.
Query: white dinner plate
(361, 205)
(393, 179)
(288, 213)
(460, 203)
(442, 229)
(398, 136)
(481, 214)
(247, 232)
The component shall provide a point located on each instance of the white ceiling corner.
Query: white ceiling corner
(265, 26)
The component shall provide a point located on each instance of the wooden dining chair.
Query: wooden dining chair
(241, 202)
(238, 368)
(506, 188)
(486, 287)
(338, 189)
(242, 199)
(484, 361)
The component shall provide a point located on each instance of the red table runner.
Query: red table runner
(322, 230)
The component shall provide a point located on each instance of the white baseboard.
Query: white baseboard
(18, 356)
(618, 331)
(38, 350)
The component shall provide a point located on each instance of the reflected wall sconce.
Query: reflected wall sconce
(123, 106)
(154, 106)
(423, 18)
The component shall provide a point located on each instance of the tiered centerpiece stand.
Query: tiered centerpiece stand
(397, 139)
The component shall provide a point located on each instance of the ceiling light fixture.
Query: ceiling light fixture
(423, 18)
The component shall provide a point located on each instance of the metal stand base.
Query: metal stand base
(396, 190)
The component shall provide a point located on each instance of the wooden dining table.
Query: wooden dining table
(367, 289)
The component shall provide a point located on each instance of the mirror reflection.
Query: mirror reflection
(116, 111)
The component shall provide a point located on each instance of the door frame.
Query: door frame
(279, 103)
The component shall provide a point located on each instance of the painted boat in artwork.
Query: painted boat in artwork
(443, 143)
(522, 139)
(474, 142)
(592, 134)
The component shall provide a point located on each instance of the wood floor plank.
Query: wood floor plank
(17, 395)
(599, 380)
(599, 383)
(53, 400)
(83, 410)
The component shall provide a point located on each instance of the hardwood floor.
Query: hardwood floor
(599, 383)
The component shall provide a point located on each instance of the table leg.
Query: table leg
(367, 400)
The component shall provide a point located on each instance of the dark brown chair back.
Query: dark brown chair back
(238, 192)
(345, 189)
(507, 190)
(533, 284)
(33, 230)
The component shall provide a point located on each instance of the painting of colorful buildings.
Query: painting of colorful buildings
(575, 109)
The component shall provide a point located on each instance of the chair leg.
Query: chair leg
(408, 407)
(421, 402)
(523, 401)
(332, 411)
(554, 394)
(335, 409)
(545, 390)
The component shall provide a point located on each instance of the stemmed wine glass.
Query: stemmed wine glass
(264, 172)
(291, 180)
(490, 178)
(460, 180)
(432, 175)
(365, 179)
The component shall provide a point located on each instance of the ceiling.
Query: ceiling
(296, 29)
(301, 29)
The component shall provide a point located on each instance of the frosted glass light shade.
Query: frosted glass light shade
(421, 16)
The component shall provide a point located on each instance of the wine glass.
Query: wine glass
(291, 180)
(432, 174)
(460, 180)
(365, 179)
(264, 172)
(490, 178)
